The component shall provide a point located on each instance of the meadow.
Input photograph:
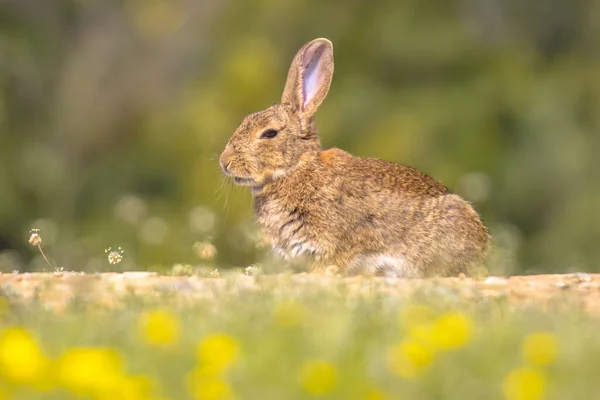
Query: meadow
(252, 335)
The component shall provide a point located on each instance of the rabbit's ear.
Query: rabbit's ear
(309, 77)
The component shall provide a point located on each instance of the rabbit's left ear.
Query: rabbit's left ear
(309, 77)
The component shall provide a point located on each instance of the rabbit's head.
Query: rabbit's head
(270, 143)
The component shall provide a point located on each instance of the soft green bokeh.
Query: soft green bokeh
(113, 113)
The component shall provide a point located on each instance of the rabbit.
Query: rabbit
(363, 215)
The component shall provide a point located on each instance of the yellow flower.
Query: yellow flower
(134, 388)
(126, 388)
(453, 330)
(159, 328)
(89, 371)
(317, 377)
(218, 352)
(205, 387)
(289, 313)
(21, 358)
(410, 359)
(6, 393)
(539, 349)
(524, 384)
(416, 314)
(375, 394)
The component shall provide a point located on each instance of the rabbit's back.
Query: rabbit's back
(362, 213)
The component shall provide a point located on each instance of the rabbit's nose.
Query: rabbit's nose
(225, 167)
(225, 162)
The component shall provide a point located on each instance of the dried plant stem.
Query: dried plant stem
(39, 246)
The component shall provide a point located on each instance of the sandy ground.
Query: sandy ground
(56, 290)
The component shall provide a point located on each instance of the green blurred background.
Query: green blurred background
(113, 113)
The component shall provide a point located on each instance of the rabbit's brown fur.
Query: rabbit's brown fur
(362, 214)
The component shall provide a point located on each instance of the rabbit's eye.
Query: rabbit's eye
(269, 134)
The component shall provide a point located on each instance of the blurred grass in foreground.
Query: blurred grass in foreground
(289, 342)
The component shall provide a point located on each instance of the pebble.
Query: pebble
(495, 281)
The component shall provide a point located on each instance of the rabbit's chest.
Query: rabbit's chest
(289, 229)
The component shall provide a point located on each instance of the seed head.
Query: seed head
(114, 256)
(35, 239)
(205, 250)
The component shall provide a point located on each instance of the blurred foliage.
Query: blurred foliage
(112, 115)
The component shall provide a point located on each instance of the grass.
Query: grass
(296, 338)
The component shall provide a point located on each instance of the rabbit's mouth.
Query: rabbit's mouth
(244, 181)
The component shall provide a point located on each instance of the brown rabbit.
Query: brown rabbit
(360, 214)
